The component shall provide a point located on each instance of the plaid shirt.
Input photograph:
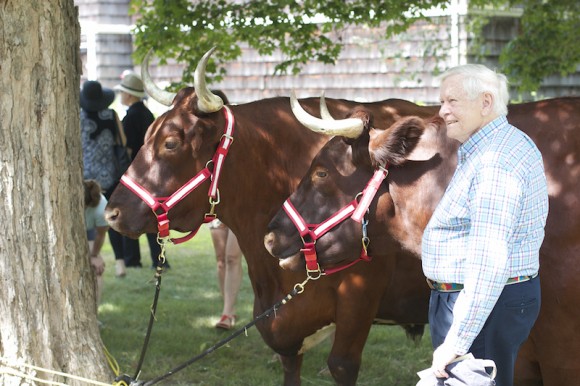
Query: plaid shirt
(488, 226)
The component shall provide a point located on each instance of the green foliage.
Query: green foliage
(546, 43)
(302, 30)
(305, 30)
(190, 304)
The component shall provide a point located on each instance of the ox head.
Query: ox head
(337, 175)
(178, 145)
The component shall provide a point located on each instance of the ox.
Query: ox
(270, 153)
(405, 201)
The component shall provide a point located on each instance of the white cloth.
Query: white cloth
(464, 371)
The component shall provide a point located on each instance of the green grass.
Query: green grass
(190, 304)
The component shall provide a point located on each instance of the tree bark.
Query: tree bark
(47, 308)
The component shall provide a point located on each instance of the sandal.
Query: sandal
(226, 322)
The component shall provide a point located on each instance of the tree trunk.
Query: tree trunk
(47, 307)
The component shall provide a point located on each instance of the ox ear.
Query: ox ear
(428, 145)
(401, 142)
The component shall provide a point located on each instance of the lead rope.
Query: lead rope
(298, 289)
(126, 380)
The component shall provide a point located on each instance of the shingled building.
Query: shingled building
(370, 67)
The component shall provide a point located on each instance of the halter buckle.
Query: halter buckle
(227, 136)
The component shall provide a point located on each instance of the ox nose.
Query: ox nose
(111, 215)
(269, 242)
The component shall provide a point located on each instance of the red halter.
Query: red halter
(355, 210)
(166, 203)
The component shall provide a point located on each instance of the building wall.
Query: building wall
(369, 68)
(498, 34)
(106, 41)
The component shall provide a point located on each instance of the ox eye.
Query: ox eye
(321, 173)
(171, 144)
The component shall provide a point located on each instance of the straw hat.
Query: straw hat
(131, 84)
(95, 97)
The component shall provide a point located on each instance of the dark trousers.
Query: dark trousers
(128, 249)
(503, 333)
(125, 248)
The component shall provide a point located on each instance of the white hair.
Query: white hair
(478, 79)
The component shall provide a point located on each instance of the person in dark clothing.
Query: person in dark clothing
(135, 123)
(101, 129)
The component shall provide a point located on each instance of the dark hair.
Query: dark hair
(92, 193)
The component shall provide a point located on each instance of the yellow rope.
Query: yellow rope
(112, 362)
(114, 366)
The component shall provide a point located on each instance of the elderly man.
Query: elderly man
(480, 250)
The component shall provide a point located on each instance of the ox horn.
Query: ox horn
(350, 127)
(324, 113)
(207, 101)
(161, 96)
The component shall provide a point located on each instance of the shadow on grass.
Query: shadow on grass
(189, 305)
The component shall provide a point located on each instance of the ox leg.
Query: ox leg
(414, 332)
(345, 357)
(527, 369)
(550, 355)
(351, 335)
(291, 365)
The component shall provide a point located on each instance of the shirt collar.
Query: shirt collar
(480, 136)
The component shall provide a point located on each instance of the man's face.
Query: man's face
(462, 115)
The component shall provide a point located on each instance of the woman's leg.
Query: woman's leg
(233, 275)
(219, 235)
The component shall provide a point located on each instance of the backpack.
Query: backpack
(98, 153)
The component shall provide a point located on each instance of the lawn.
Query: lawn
(190, 304)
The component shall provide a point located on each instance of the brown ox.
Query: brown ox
(407, 198)
(270, 152)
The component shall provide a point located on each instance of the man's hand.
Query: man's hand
(442, 356)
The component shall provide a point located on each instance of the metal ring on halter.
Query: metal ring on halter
(318, 272)
(384, 169)
(299, 287)
(211, 212)
(217, 201)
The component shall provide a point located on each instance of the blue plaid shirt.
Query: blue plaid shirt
(488, 226)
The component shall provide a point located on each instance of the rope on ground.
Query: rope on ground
(112, 362)
(9, 368)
